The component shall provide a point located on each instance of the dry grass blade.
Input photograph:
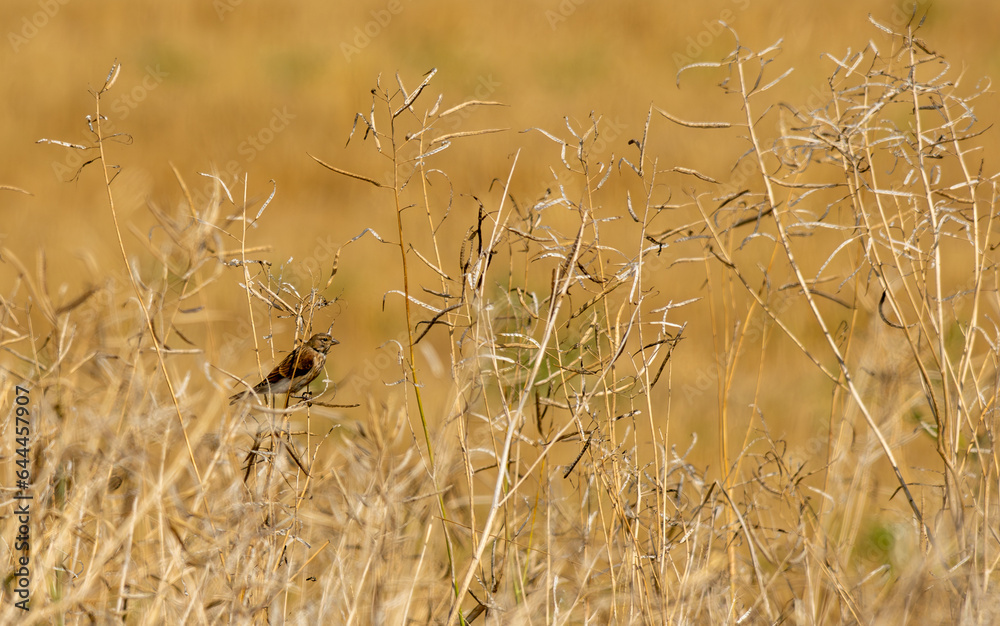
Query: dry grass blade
(346, 173)
(680, 122)
(471, 103)
(17, 189)
(467, 133)
(411, 98)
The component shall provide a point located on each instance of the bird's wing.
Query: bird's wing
(298, 363)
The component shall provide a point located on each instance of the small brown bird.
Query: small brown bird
(296, 371)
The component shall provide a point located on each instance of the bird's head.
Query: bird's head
(322, 342)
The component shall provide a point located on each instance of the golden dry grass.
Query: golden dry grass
(735, 351)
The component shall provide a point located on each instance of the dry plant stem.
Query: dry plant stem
(617, 338)
(947, 441)
(516, 416)
(607, 528)
(120, 609)
(430, 224)
(499, 226)
(147, 318)
(752, 545)
(416, 572)
(803, 285)
(724, 457)
(659, 463)
(360, 585)
(396, 148)
(246, 282)
(948, 426)
(856, 185)
(396, 183)
(422, 172)
(724, 464)
(613, 484)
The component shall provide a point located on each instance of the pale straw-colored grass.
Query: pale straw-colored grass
(520, 467)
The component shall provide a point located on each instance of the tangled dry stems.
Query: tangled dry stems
(541, 484)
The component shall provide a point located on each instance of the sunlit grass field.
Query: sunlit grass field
(644, 318)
